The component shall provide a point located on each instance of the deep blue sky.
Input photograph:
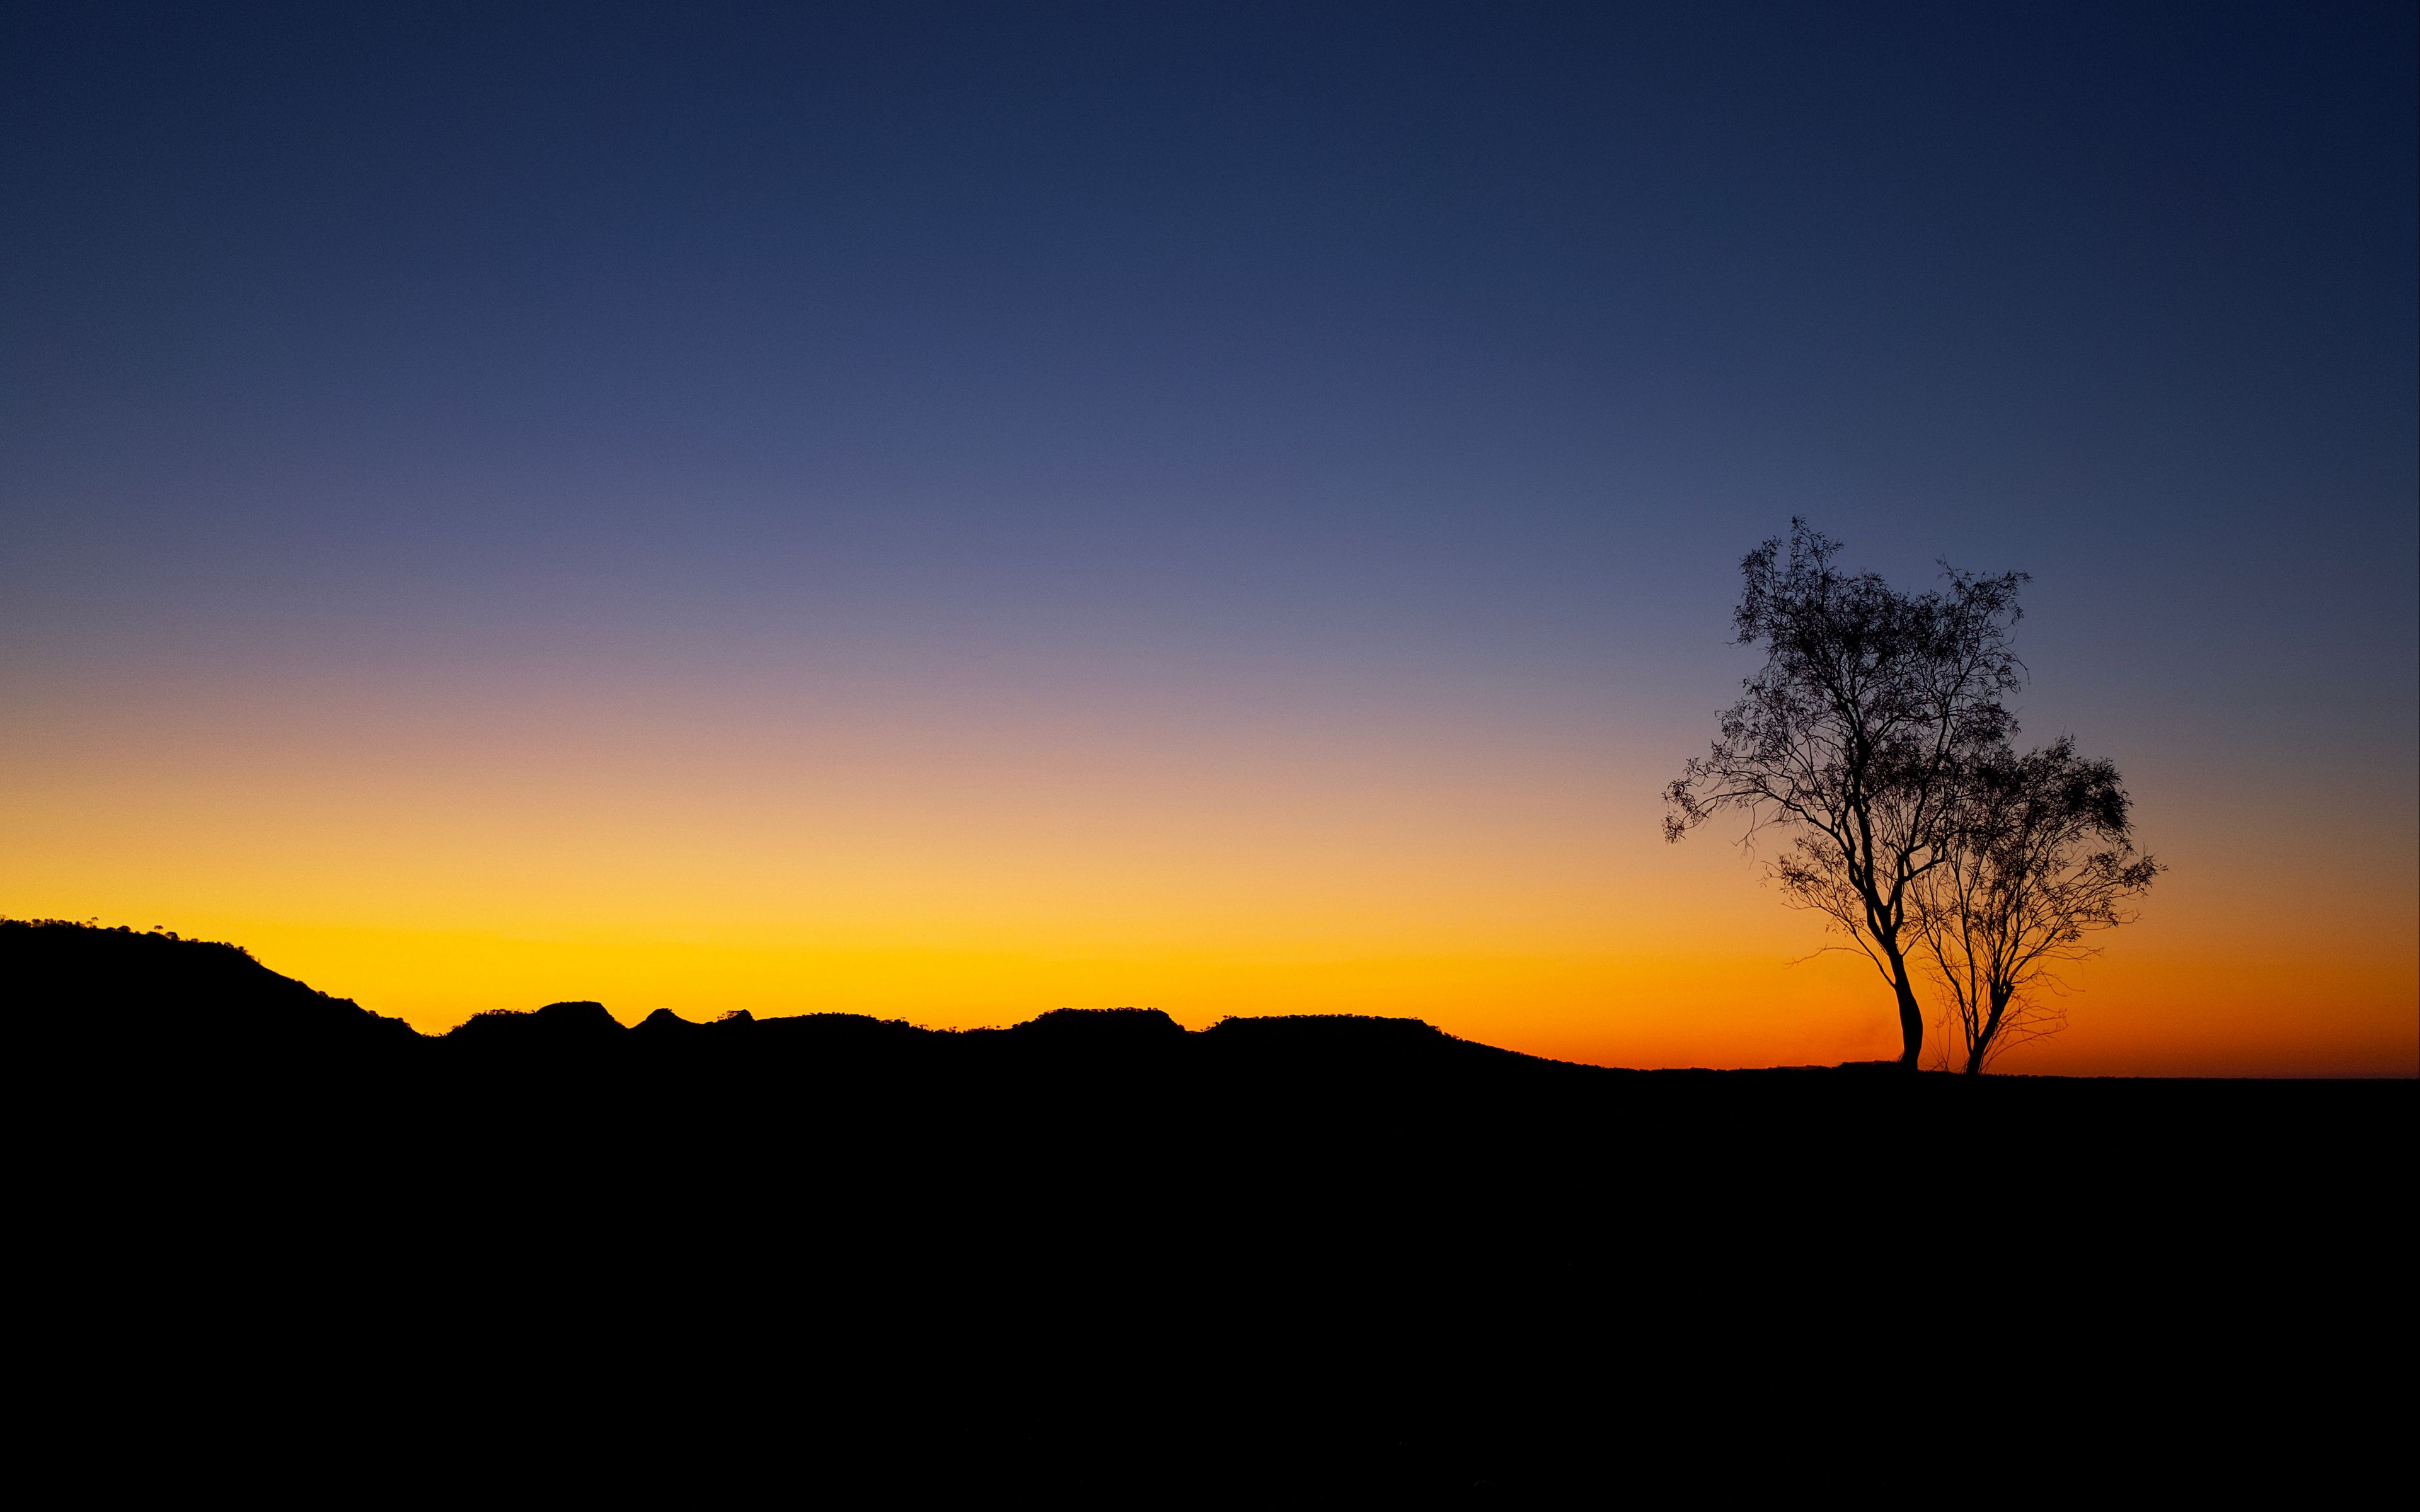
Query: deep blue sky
(1445, 349)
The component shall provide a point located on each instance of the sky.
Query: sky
(951, 512)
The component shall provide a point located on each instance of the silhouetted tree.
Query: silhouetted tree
(1853, 735)
(2038, 852)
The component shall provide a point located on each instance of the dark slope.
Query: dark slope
(157, 996)
(1347, 1256)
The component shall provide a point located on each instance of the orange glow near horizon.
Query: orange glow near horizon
(979, 866)
(953, 516)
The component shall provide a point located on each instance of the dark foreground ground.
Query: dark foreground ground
(1095, 1255)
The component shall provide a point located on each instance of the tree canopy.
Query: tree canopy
(1854, 736)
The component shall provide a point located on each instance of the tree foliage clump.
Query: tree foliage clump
(2039, 854)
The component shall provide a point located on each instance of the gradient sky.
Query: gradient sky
(949, 512)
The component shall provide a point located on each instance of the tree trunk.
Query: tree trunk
(1983, 1046)
(1911, 1016)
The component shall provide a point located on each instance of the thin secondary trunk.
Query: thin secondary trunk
(1983, 1046)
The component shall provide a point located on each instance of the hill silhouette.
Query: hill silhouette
(1402, 1261)
(157, 992)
